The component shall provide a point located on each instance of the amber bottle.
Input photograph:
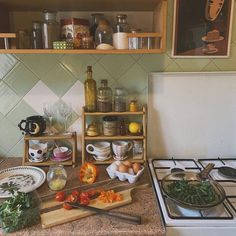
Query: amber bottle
(90, 91)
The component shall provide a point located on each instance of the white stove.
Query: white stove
(179, 221)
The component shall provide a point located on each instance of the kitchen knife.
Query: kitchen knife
(125, 217)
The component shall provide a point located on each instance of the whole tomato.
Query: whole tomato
(60, 196)
(75, 193)
(67, 206)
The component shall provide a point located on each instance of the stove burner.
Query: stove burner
(227, 171)
(175, 169)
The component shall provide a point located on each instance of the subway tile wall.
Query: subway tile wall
(27, 81)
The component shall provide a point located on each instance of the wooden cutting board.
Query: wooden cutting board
(60, 216)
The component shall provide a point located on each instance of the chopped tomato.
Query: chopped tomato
(71, 198)
(75, 193)
(84, 194)
(67, 206)
(84, 200)
(88, 173)
(60, 196)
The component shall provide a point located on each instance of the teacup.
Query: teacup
(121, 148)
(101, 150)
(38, 152)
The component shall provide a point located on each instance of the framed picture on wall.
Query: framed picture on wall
(202, 28)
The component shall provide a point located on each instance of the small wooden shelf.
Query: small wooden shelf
(117, 137)
(72, 138)
(88, 139)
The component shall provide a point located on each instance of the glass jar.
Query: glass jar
(120, 100)
(56, 177)
(23, 36)
(96, 17)
(133, 106)
(137, 150)
(90, 91)
(36, 35)
(51, 29)
(121, 24)
(103, 34)
(122, 127)
(104, 97)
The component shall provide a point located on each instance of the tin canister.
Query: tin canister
(109, 125)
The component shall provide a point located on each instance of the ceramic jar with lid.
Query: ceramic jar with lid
(56, 177)
(109, 125)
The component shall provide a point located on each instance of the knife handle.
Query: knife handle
(136, 220)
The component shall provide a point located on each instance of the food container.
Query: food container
(113, 173)
(110, 125)
(62, 45)
(74, 29)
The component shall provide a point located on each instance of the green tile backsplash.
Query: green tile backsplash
(26, 80)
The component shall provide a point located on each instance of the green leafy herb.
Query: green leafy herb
(191, 192)
(19, 211)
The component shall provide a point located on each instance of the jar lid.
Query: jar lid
(49, 15)
(121, 16)
(109, 118)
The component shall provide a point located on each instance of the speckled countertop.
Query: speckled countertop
(143, 204)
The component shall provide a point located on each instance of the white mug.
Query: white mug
(121, 148)
(120, 40)
(101, 150)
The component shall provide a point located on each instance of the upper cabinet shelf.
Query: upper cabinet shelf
(149, 15)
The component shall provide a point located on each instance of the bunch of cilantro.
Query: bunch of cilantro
(19, 211)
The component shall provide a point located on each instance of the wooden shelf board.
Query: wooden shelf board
(80, 5)
(49, 137)
(113, 113)
(79, 51)
(114, 137)
(48, 163)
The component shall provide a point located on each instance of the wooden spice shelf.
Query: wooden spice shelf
(88, 139)
(72, 138)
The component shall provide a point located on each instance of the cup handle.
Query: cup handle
(130, 146)
(91, 147)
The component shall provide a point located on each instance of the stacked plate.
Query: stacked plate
(61, 154)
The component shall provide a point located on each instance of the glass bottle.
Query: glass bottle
(56, 177)
(121, 24)
(122, 127)
(51, 29)
(137, 150)
(95, 21)
(104, 97)
(90, 91)
(36, 35)
(120, 100)
(103, 33)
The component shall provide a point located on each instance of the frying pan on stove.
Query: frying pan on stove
(193, 190)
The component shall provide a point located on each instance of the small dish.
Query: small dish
(56, 159)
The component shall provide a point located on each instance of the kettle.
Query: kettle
(33, 125)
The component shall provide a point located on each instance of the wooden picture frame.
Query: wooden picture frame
(202, 28)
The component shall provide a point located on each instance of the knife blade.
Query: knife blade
(132, 219)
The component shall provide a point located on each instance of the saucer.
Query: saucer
(102, 159)
(53, 158)
(204, 50)
(204, 38)
(39, 160)
(120, 158)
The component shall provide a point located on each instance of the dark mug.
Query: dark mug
(33, 125)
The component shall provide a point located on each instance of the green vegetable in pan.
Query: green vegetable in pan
(19, 211)
(192, 192)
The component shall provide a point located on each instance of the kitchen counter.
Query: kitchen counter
(143, 204)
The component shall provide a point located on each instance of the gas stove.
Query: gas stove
(178, 220)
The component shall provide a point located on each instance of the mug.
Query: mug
(120, 40)
(121, 148)
(38, 152)
(33, 125)
(100, 150)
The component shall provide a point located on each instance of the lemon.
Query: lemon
(134, 128)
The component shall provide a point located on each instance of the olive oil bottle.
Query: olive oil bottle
(90, 91)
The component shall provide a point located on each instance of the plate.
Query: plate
(213, 40)
(56, 159)
(102, 158)
(23, 178)
(204, 50)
